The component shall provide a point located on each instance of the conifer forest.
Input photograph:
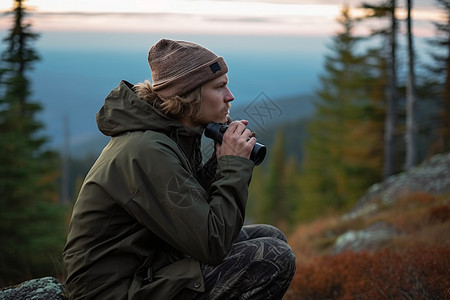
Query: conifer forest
(378, 113)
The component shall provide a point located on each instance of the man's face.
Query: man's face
(216, 98)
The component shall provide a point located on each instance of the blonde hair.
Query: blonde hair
(178, 107)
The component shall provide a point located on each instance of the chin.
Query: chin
(221, 120)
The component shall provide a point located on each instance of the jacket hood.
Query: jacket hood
(124, 111)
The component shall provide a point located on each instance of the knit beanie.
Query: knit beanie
(178, 67)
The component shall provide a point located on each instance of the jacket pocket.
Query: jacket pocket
(169, 282)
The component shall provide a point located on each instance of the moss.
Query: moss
(47, 288)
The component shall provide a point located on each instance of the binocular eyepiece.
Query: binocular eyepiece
(215, 131)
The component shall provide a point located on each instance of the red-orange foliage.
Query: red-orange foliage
(440, 214)
(419, 273)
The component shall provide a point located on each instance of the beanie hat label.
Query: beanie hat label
(178, 67)
(215, 67)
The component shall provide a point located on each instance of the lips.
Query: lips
(227, 109)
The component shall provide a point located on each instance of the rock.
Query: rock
(432, 176)
(45, 288)
(365, 239)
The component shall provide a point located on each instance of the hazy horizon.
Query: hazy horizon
(235, 17)
(277, 49)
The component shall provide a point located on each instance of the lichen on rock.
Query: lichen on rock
(45, 288)
(432, 176)
(359, 240)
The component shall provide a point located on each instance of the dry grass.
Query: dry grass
(418, 273)
(413, 265)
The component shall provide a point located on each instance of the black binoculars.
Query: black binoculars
(215, 131)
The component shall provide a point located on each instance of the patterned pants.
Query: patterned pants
(260, 265)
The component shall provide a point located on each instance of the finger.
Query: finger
(232, 127)
(247, 134)
(236, 127)
(252, 141)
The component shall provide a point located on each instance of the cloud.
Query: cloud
(263, 17)
(177, 22)
(352, 3)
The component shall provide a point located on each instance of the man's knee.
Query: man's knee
(285, 257)
(263, 230)
(274, 232)
(262, 268)
(274, 266)
(276, 252)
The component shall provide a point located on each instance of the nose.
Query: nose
(229, 96)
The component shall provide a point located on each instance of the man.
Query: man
(152, 222)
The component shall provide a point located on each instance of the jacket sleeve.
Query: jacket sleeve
(207, 171)
(170, 201)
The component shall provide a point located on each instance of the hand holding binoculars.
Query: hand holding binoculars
(215, 131)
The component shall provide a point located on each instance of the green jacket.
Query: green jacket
(148, 212)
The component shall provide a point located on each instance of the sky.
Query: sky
(274, 48)
(280, 17)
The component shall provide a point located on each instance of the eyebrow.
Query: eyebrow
(222, 82)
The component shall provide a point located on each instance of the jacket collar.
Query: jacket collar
(123, 111)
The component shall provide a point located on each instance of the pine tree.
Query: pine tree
(293, 193)
(441, 71)
(343, 152)
(274, 208)
(31, 224)
(256, 197)
(411, 98)
(387, 10)
(274, 192)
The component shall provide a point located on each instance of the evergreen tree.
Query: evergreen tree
(274, 206)
(441, 71)
(256, 197)
(343, 151)
(31, 224)
(387, 10)
(293, 193)
(411, 98)
(274, 192)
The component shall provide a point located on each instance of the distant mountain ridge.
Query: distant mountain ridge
(263, 113)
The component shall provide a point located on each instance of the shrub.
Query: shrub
(439, 214)
(419, 273)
